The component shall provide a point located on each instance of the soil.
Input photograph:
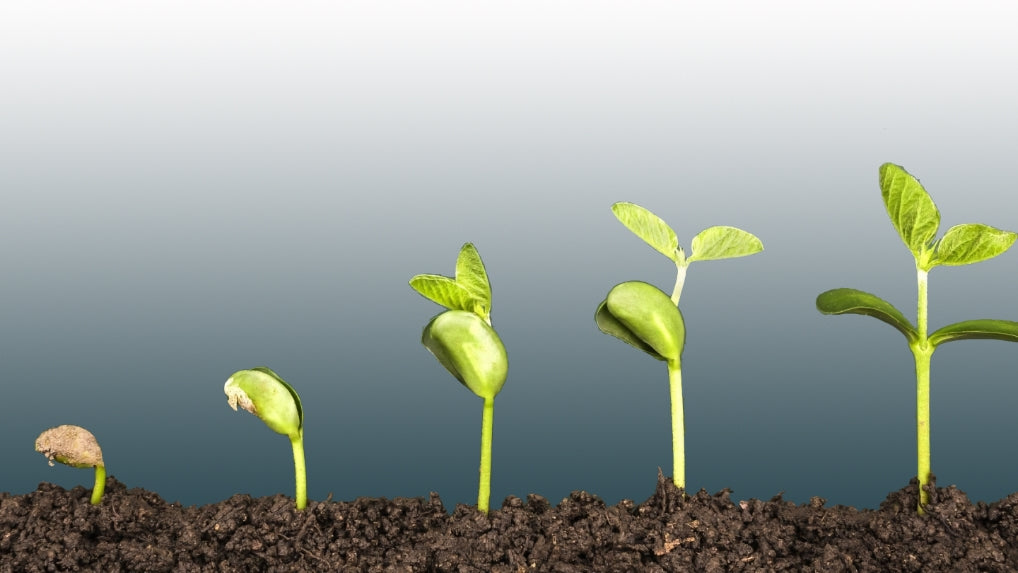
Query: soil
(53, 529)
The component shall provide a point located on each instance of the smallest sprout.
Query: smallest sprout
(76, 447)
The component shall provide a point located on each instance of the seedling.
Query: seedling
(643, 316)
(263, 393)
(917, 220)
(76, 447)
(464, 342)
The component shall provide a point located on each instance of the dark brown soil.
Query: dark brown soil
(53, 529)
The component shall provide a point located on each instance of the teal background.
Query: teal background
(189, 190)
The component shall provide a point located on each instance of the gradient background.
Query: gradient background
(190, 189)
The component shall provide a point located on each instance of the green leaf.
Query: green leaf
(469, 349)
(649, 315)
(648, 227)
(444, 291)
(852, 301)
(974, 329)
(470, 275)
(971, 243)
(910, 207)
(723, 243)
(610, 325)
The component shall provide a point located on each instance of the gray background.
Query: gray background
(193, 189)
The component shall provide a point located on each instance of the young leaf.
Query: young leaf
(470, 275)
(973, 329)
(444, 291)
(648, 227)
(910, 207)
(971, 243)
(723, 243)
(610, 325)
(852, 301)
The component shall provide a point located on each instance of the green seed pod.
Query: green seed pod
(469, 349)
(263, 393)
(645, 317)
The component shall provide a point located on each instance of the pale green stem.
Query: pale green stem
(100, 484)
(680, 279)
(923, 280)
(484, 486)
(300, 473)
(923, 351)
(678, 424)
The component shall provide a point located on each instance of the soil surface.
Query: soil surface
(53, 529)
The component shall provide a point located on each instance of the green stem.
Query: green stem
(923, 352)
(100, 484)
(300, 473)
(484, 486)
(678, 424)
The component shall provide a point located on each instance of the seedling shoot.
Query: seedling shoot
(916, 218)
(76, 447)
(464, 342)
(263, 393)
(643, 316)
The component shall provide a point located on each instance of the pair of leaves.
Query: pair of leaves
(643, 316)
(916, 218)
(852, 301)
(710, 244)
(469, 290)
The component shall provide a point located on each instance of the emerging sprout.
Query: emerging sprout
(263, 393)
(76, 447)
(917, 220)
(644, 316)
(464, 342)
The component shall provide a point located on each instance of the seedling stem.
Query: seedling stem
(922, 350)
(299, 470)
(484, 484)
(678, 424)
(680, 277)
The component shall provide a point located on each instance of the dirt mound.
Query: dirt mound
(53, 529)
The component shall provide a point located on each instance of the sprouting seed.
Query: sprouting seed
(464, 342)
(263, 393)
(76, 447)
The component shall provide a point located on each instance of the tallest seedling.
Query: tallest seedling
(643, 316)
(917, 220)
